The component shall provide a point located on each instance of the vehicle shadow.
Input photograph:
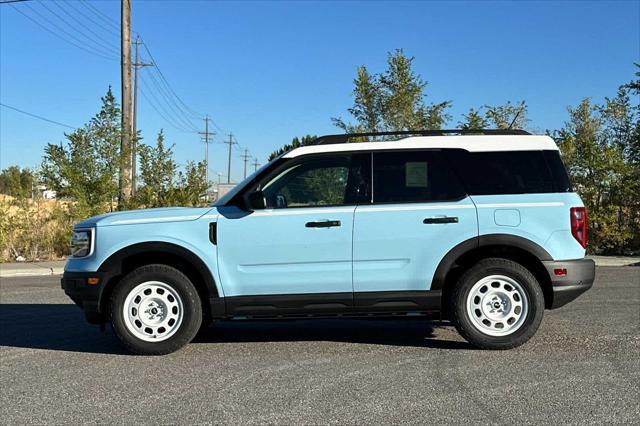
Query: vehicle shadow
(414, 332)
(57, 327)
(62, 327)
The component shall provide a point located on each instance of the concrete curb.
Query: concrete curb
(615, 260)
(8, 270)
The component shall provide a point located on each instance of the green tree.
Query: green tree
(507, 116)
(597, 168)
(367, 104)
(192, 185)
(17, 182)
(435, 116)
(86, 167)
(474, 119)
(392, 100)
(157, 174)
(295, 143)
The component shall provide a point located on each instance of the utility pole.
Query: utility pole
(245, 158)
(125, 77)
(231, 142)
(134, 127)
(206, 134)
(255, 164)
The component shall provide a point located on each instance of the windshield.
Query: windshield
(233, 191)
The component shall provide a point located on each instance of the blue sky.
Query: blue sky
(268, 71)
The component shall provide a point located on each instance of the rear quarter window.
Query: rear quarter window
(510, 172)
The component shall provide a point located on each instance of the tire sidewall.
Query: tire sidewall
(192, 315)
(529, 285)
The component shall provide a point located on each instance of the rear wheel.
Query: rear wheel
(155, 310)
(497, 304)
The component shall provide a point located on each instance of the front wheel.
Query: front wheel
(497, 304)
(155, 310)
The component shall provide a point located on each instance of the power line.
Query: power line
(169, 121)
(73, 4)
(162, 77)
(245, 157)
(99, 44)
(144, 88)
(207, 134)
(80, 46)
(38, 116)
(231, 143)
(12, 1)
(102, 41)
(110, 21)
(172, 104)
(78, 39)
(81, 29)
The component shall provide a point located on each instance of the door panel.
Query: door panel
(394, 250)
(420, 211)
(302, 242)
(274, 252)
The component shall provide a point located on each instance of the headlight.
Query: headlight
(81, 242)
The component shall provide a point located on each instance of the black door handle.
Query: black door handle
(448, 219)
(323, 224)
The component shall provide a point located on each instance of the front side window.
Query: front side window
(324, 181)
(413, 177)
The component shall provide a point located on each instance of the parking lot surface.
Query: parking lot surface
(582, 366)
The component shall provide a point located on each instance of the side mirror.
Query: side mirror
(255, 201)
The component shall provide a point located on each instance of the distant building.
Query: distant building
(223, 188)
(48, 194)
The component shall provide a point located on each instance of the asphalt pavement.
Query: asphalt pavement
(583, 366)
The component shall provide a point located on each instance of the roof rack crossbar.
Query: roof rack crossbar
(345, 137)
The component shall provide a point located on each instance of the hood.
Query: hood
(157, 215)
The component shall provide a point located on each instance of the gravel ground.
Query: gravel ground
(583, 366)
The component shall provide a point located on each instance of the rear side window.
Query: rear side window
(509, 172)
(412, 177)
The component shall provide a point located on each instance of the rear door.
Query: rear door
(419, 212)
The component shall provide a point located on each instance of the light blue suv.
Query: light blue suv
(481, 228)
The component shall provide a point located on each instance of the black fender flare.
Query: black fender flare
(487, 240)
(112, 266)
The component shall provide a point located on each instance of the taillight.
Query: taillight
(579, 225)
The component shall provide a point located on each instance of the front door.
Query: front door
(301, 244)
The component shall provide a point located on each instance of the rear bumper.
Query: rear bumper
(579, 278)
(84, 295)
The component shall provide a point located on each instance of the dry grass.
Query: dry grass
(34, 229)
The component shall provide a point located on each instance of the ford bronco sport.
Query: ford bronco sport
(481, 228)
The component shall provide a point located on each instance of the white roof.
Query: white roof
(471, 143)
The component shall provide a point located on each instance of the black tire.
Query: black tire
(180, 284)
(513, 270)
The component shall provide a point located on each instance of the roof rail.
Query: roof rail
(344, 138)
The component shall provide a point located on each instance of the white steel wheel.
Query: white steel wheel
(153, 311)
(497, 305)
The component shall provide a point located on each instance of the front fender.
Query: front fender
(115, 243)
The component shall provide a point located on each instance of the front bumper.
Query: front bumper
(85, 295)
(579, 278)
